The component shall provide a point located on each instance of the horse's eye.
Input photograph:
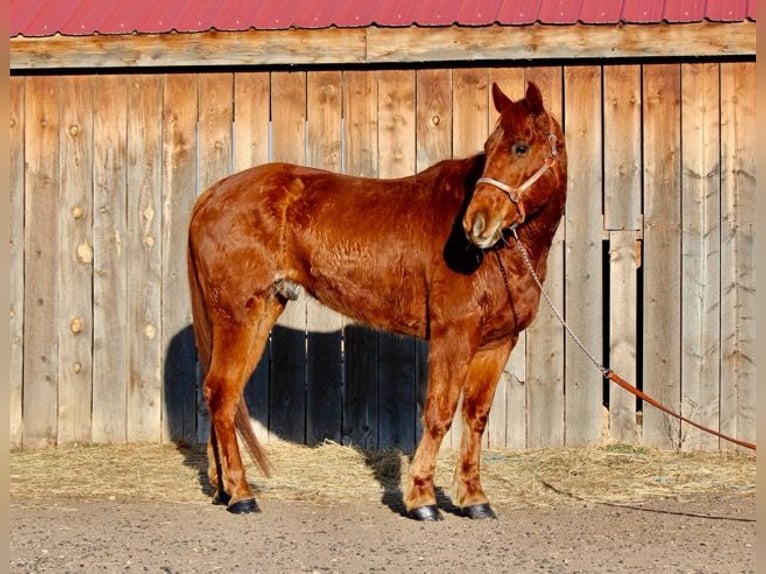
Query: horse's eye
(520, 148)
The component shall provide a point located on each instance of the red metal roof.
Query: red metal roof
(84, 17)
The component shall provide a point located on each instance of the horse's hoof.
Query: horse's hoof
(221, 499)
(429, 513)
(477, 511)
(246, 506)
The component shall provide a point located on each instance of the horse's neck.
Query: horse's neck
(536, 235)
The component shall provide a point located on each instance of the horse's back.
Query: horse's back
(363, 246)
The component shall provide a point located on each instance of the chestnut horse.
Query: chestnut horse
(423, 256)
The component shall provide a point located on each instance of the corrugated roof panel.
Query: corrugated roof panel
(443, 12)
(560, 11)
(313, 14)
(298, 13)
(232, 16)
(684, 11)
(354, 13)
(643, 11)
(20, 13)
(518, 12)
(40, 18)
(76, 17)
(727, 10)
(272, 15)
(478, 13)
(396, 13)
(200, 15)
(86, 17)
(159, 16)
(600, 11)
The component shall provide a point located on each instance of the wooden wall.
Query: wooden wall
(653, 266)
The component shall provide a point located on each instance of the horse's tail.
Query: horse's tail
(254, 447)
(201, 324)
(203, 336)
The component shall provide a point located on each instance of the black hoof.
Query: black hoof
(477, 511)
(246, 506)
(221, 499)
(428, 513)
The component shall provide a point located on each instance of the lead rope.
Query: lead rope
(608, 373)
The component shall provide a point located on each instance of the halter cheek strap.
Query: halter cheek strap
(514, 193)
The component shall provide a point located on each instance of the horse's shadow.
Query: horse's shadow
(187, 421)
(388, 475)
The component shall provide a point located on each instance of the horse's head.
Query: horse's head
(524, 168)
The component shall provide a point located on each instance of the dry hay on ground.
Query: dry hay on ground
(331, 472)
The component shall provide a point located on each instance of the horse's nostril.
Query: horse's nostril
(479, 223)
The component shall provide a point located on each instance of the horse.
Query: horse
(426, 256)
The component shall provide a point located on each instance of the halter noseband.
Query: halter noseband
(514, 193)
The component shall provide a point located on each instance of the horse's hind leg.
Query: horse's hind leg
(483, 374)
(237, 348)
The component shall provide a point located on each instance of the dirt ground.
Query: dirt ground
(704, 534)
(147, 509)
(707, 534)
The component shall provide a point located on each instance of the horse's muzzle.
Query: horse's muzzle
(482, 230)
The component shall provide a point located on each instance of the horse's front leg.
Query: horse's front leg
(483, 374)
(448, 359)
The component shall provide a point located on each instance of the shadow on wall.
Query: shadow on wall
(358, 387)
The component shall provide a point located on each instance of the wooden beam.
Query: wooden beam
(376, 45)
(559, 42)
(249, 48)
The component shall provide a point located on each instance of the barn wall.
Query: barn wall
(653, 266)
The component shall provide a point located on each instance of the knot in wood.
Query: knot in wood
(76, 325)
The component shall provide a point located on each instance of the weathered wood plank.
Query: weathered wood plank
(700, 252)
(738, 246)
(16, 259)
(324, 339)
(470, 110)
(324, 119)
(397, 367)
(545, 337)
(384, 44)
(662, 251)
(41, 269)
(433, 117)
(507, 425)
(144, 134)
(110, 279)
(584, 251)
(360, 157)
(622, 150)
(624, 260)
(622, 213)
(75, 361)
(216, 114)
(287, 395)
(179, 191)
(251, 119)
(251, 148)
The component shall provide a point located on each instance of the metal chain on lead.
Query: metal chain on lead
(520, 247)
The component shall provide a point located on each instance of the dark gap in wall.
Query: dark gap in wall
(605, 323)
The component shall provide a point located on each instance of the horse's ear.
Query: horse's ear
(501, 100)
(534, 99)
